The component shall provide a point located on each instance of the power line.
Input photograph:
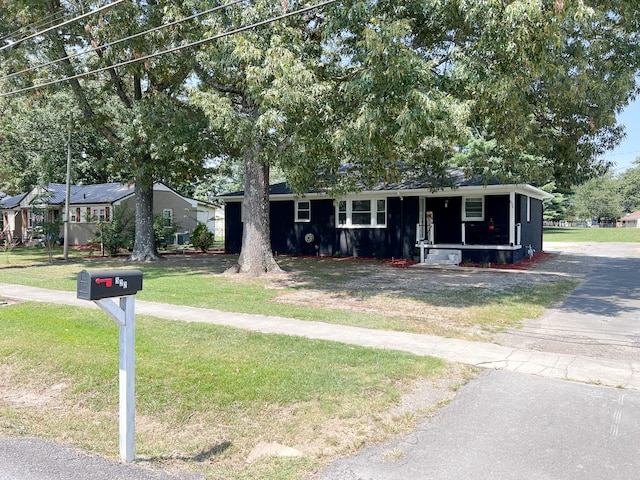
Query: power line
(174, 49)
(131, 37)
(71, 20)
(53, 17)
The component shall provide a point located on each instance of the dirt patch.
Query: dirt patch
(29, 396)
(439, 300)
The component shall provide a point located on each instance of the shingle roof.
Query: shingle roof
(83, 194)
(456, 178)
(631, 216)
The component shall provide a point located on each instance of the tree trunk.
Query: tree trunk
(256, 257)
(144, 247)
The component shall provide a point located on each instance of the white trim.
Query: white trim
(468, 191)
(528, 209)
(297, 210)
(373, 213)
(467, 218)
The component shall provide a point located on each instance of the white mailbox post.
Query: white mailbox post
(100, 287)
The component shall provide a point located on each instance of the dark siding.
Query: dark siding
(283, 238)
(288, 236)
(409, 209)
(233, 227)
(531, 231)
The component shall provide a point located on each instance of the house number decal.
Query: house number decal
(108, 282)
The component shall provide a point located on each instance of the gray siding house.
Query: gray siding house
(91, 204)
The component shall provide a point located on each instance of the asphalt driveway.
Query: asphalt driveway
(601, 317)
(505, 425)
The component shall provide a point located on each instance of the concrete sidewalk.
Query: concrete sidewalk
(486, 355)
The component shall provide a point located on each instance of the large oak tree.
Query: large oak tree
(140, 108)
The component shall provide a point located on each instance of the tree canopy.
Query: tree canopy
(140, 109)
(339, 96)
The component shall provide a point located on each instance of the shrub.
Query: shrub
(202, 238)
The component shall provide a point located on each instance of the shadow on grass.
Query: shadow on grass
(203, 456)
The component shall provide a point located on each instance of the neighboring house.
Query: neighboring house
(631, 220)
(91, 204)
(470, 222)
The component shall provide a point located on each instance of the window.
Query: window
(107, 214)
(362, 213)
(528, 209)
(88, 215)
(303, 211)
(167, 217)
(473, 208)
(75, 215)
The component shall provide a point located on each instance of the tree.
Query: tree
(140, 109)
(261, 87)
(523, 91)
(598, 198)
(629, 186)
(34, 146)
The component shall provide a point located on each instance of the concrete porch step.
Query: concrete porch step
(442, 256)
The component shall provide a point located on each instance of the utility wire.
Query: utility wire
(71, 20)
(174, 49)
(43, 22)
(131, 37)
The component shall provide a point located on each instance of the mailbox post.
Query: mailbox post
(100, 287)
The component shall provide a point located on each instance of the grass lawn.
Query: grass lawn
(205, 395)
(364, 293)
(566, 234)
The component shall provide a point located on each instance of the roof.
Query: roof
(11, 202)
(457, 179)
(83, 194)
(631, 216)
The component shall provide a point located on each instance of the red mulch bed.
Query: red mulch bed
(524, 264)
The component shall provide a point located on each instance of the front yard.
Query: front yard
(208, 395)
(469, 303)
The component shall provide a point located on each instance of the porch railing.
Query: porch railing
(425, 233)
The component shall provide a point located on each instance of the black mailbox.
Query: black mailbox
(106, 284)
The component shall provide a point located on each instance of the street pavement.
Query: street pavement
(520, 419)
(506, 425)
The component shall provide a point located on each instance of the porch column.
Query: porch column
(512, 218)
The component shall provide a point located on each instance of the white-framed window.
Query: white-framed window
(303, 211)
(473, 208)
(528, 209)
(167, 217)
(362, 213)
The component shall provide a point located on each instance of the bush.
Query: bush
(202, 238)
(119, 232)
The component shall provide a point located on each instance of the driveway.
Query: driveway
(601, 317)
(505, 425)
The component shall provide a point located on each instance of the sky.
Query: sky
(624, 155)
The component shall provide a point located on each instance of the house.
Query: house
(467, 222)
(91, 204)
(631, 220)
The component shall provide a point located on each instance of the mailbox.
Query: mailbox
(106, 284)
